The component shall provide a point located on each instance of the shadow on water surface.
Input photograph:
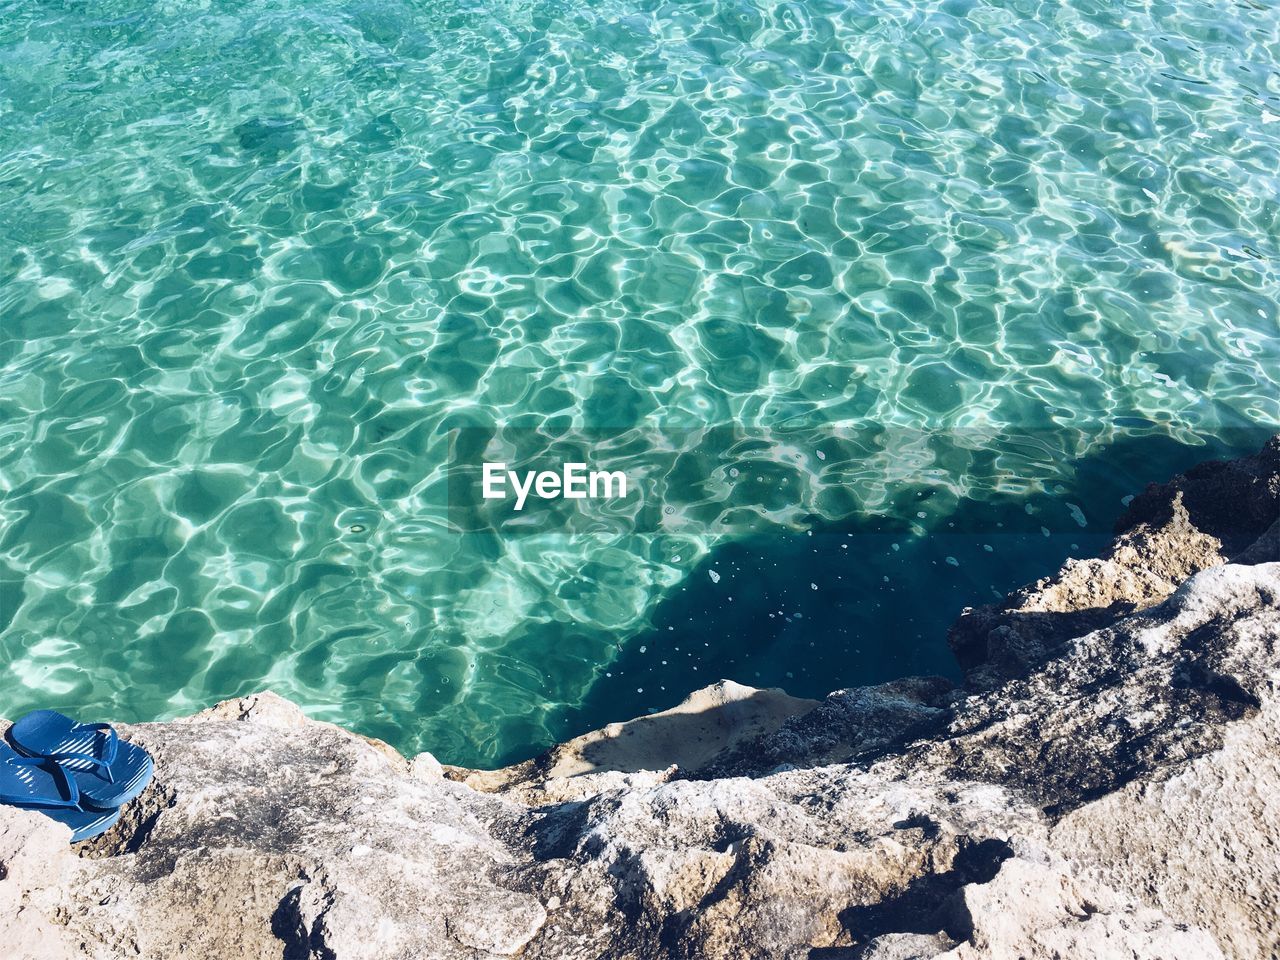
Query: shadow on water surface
(867, 601)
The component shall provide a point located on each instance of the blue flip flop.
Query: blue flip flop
(107, 771)
(40, 784)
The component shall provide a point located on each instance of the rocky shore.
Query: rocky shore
(1105, 783)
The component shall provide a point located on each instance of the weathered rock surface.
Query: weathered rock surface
(1105, 784)
(1217, 512)
(34, 863)
(695, 734)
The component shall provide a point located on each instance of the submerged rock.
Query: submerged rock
(1105, 784)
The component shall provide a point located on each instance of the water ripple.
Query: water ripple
(258, 256)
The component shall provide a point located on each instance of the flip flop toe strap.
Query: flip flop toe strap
(102, 763)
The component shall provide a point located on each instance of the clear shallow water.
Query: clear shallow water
(258, 257)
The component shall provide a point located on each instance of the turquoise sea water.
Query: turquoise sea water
(257, 258)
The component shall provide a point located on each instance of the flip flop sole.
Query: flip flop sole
(94, 793)
(87, 824)
(40, 785)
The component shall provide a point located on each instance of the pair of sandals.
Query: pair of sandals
(79, 774)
